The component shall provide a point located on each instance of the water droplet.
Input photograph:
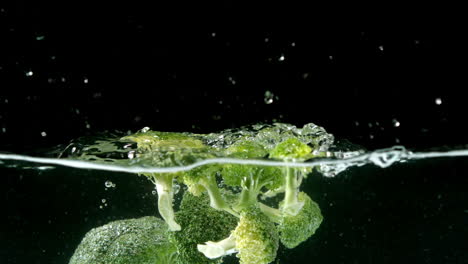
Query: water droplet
(145, 129)
(103, 200)
(29, 73)
(100, 207)
(154, 192)
(108, 184)
(396, 123)
(213, 34)
(40, 37)
(269, 96)
(43, 133)
(4, 129)
(281, 58)
(438, 101)
(293, 44)
(232, 81)
(85, 80)
(381, 48)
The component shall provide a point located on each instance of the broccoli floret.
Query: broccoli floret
(164, 148)
(143, 241)
(202, 179)
(296, 229)
(255, 239)
(252, 180)
(200, 223)
(292, 149)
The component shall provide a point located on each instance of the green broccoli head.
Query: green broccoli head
(200, 223)
(246, 148)
(291, 149)
(297, 229)
(143, 240)
(256, 237)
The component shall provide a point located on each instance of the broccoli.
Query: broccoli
(143, 241)
(255, 239)
(200, 223)
(292, 149)
(296, 229)
(202, 179)
(163, 148)
(221, 212)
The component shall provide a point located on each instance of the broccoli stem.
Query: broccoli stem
(274, 214)
(165, 191)
(291, 205)
(213, 250)
(250, 191)
(216, 199)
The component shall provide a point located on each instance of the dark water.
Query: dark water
(413, 212)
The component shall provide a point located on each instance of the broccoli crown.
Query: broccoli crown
(237, 175)
(247, 149)
(197, 179)
(200, 223)
(256, 237)
(143, 240)
(290, 149)
(297, 229)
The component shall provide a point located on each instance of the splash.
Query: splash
(331, 167)
(162, 152)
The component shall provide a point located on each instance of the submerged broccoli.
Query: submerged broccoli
(221, 213)
(200, 223)
(143, 241)
(256, 235)
(296, 229)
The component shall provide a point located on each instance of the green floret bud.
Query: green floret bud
(297, 229)
(291, 149)
(200, 223)
(256, 237)
(143, 241)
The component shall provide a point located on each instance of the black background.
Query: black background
(356, 69)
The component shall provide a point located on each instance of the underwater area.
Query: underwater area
(98, 103)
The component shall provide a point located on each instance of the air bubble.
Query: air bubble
(269, 97)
